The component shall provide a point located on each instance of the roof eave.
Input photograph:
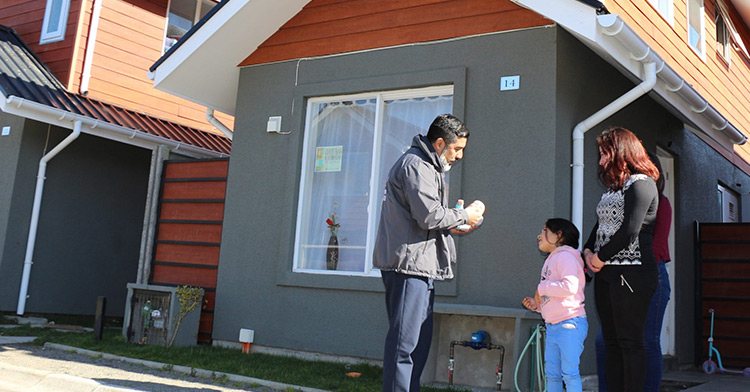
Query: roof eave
(203, 68)
(624, 49)
(36, 111)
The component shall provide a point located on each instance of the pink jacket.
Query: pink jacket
(561, 286)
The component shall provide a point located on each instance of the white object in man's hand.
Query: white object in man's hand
(475, 211)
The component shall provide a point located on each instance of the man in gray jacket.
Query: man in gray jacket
(414, 246)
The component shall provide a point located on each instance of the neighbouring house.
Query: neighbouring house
(326, 95)
(78, 110)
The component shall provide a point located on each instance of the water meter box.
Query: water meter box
(151, 316)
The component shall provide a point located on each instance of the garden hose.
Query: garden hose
(536, 336)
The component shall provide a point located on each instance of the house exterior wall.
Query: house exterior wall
(9, 153)
(345, 315)
(129, 40)
(89, 228)
(725, 84)
(26, 17)
(517, 161)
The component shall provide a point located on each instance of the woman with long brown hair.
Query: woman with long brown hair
(619, 250)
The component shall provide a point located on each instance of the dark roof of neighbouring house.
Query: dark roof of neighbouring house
(24, 75)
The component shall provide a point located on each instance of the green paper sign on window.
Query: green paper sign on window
(328, 159)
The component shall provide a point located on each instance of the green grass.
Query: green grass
(329, 376)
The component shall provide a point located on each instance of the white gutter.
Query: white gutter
(31, 241)
(90, 44)
(218, 124)
(612, 25)
(40, 112)
(649, 80)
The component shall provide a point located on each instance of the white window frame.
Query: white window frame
(669, 16)
(375, 195)
(196, 18)
(62, 22)
(726, 54)
(701, 49)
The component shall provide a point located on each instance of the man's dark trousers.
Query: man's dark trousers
(408, 301)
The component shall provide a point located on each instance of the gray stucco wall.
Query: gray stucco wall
(517, 161)
(9, 150)
(89, 227)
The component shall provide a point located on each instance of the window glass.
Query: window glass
(182, 16)
(348, 142)
(664, 7)
(695, 25)
(723, 45)
(55, 20)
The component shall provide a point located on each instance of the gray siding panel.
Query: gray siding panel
(89, 228)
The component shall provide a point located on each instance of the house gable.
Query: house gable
(326, 27)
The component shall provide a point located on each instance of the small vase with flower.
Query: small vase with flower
(332, 251)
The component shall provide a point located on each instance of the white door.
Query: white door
(667, 329)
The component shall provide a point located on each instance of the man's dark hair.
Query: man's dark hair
(448, 127)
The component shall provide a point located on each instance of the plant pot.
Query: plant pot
(332, 253)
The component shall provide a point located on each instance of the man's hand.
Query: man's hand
(475, 211)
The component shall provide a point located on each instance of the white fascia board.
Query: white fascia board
(204, 69)
(743, 7)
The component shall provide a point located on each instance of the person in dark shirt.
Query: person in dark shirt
(619, 250)
(658, 305)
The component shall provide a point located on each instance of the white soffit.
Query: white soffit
(743, 7)
(203, 69)
(590, 29)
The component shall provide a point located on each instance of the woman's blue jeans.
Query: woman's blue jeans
(562, 354)
(651, 336)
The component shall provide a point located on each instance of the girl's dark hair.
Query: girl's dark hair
(568, 231)
(624, 156)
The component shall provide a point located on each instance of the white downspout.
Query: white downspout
(90, 43)
(218, 124)
(35, 215)
(648, 83)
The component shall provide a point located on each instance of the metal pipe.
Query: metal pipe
(33, 226)
(649, 80)
(218, 124)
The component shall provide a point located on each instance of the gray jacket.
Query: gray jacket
(413, 235)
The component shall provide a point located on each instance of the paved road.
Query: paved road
(29, 368)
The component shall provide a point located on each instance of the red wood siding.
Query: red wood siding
(724, 267)
(338, 26)
(27, 16)
(725, 85)
(189, 231)
(129, 40)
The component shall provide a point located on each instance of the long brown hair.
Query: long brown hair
(624, 155)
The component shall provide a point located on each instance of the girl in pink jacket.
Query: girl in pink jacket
(559, 297)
